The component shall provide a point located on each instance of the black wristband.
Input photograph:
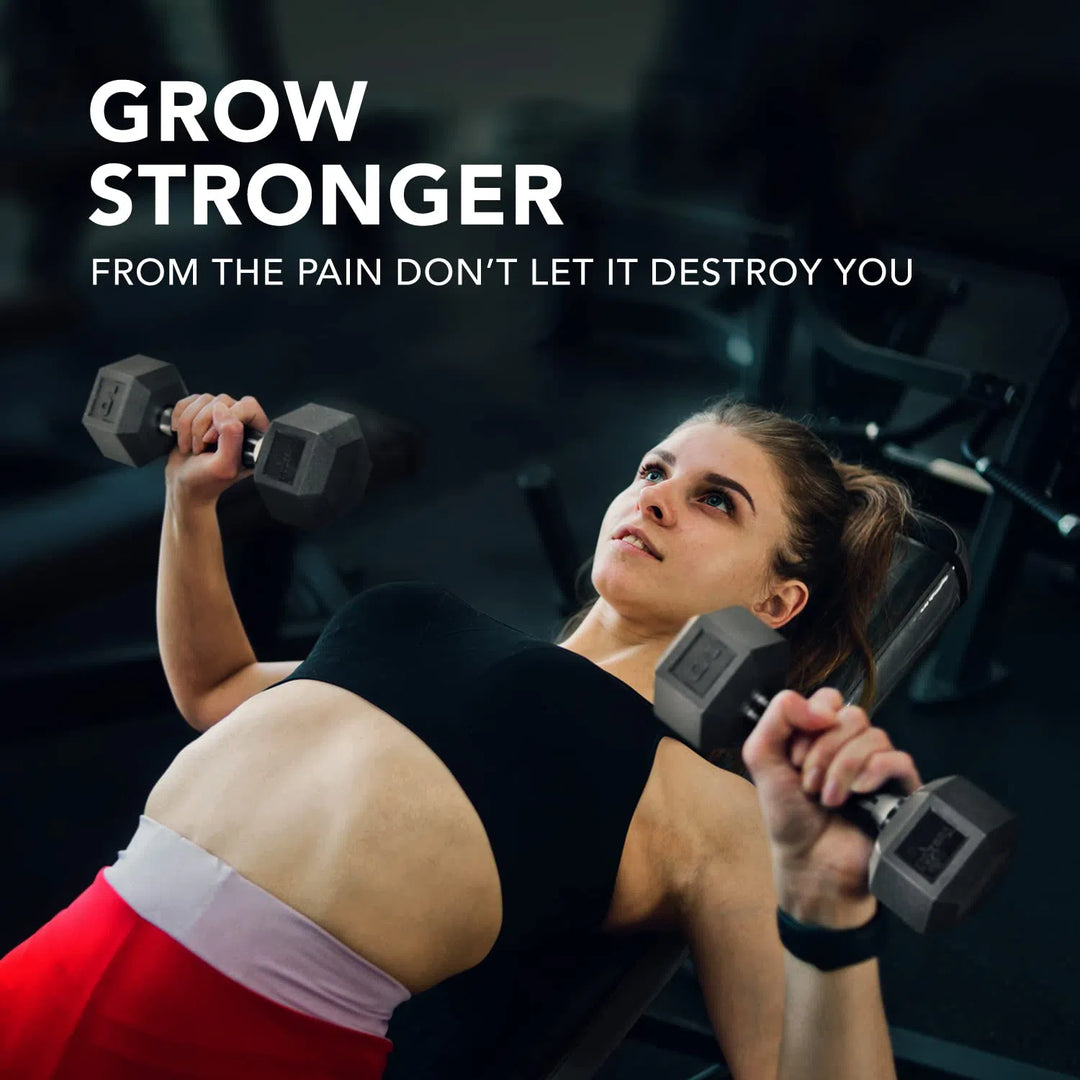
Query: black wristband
(829, 949)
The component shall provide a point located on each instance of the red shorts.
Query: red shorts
(98, 993)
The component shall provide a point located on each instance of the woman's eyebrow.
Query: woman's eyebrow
(711, 478)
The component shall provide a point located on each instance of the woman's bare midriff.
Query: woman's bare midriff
(334, 807)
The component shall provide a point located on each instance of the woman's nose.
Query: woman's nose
(657, 502)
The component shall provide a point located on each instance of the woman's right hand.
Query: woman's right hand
(209, 439)
(807, 756)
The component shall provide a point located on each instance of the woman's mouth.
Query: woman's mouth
(633, 542)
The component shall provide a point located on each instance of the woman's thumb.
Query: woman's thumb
(230, 441)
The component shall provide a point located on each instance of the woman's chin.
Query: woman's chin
(618, 583)
(632, 598)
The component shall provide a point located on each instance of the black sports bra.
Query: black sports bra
(552, 751)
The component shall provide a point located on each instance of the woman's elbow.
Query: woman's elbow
(199, 713)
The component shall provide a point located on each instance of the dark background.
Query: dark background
(681, 127)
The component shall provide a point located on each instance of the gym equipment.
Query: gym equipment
(311, 463)
(996, 350)
(937, 851)
(1064, 521)
(537, 485)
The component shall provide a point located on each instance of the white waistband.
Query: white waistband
(248, 934)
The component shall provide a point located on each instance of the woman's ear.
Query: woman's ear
(783, 603)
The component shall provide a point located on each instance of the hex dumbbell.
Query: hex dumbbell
(310, 464)
(936, 851)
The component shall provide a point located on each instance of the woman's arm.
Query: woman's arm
(729, 920)
(776, 1016)
(208, 660)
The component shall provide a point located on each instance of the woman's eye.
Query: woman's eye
(651, 472)
(721, 500)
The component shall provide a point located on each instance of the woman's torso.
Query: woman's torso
(336, 807)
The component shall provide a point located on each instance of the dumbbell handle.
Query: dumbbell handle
(871, 813)
(249, 452)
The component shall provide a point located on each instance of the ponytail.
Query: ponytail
(878, 513)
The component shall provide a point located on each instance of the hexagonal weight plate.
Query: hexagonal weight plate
(125, 406)
(313, 464)
(709, 672)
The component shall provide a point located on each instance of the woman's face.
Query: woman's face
(707, 503)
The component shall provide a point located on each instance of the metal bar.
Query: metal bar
(713, 1072)
(930, 375)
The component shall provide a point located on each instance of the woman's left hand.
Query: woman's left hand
(807, 756)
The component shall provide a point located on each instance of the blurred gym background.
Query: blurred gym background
(682, 128)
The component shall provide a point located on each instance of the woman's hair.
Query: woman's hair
(843, 523)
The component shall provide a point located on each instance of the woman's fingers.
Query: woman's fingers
(850, 722)
(831, 744)
(848, 762)
(800, 747)
(184, 412)
(882, 767)
(827, 702)
(250, 413)
(203, 420)
(197, 418)
(246, 412)
(788, 714)
(226, 463)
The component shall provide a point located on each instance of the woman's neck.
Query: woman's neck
(627, 650)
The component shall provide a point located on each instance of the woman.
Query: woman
(431, 787)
